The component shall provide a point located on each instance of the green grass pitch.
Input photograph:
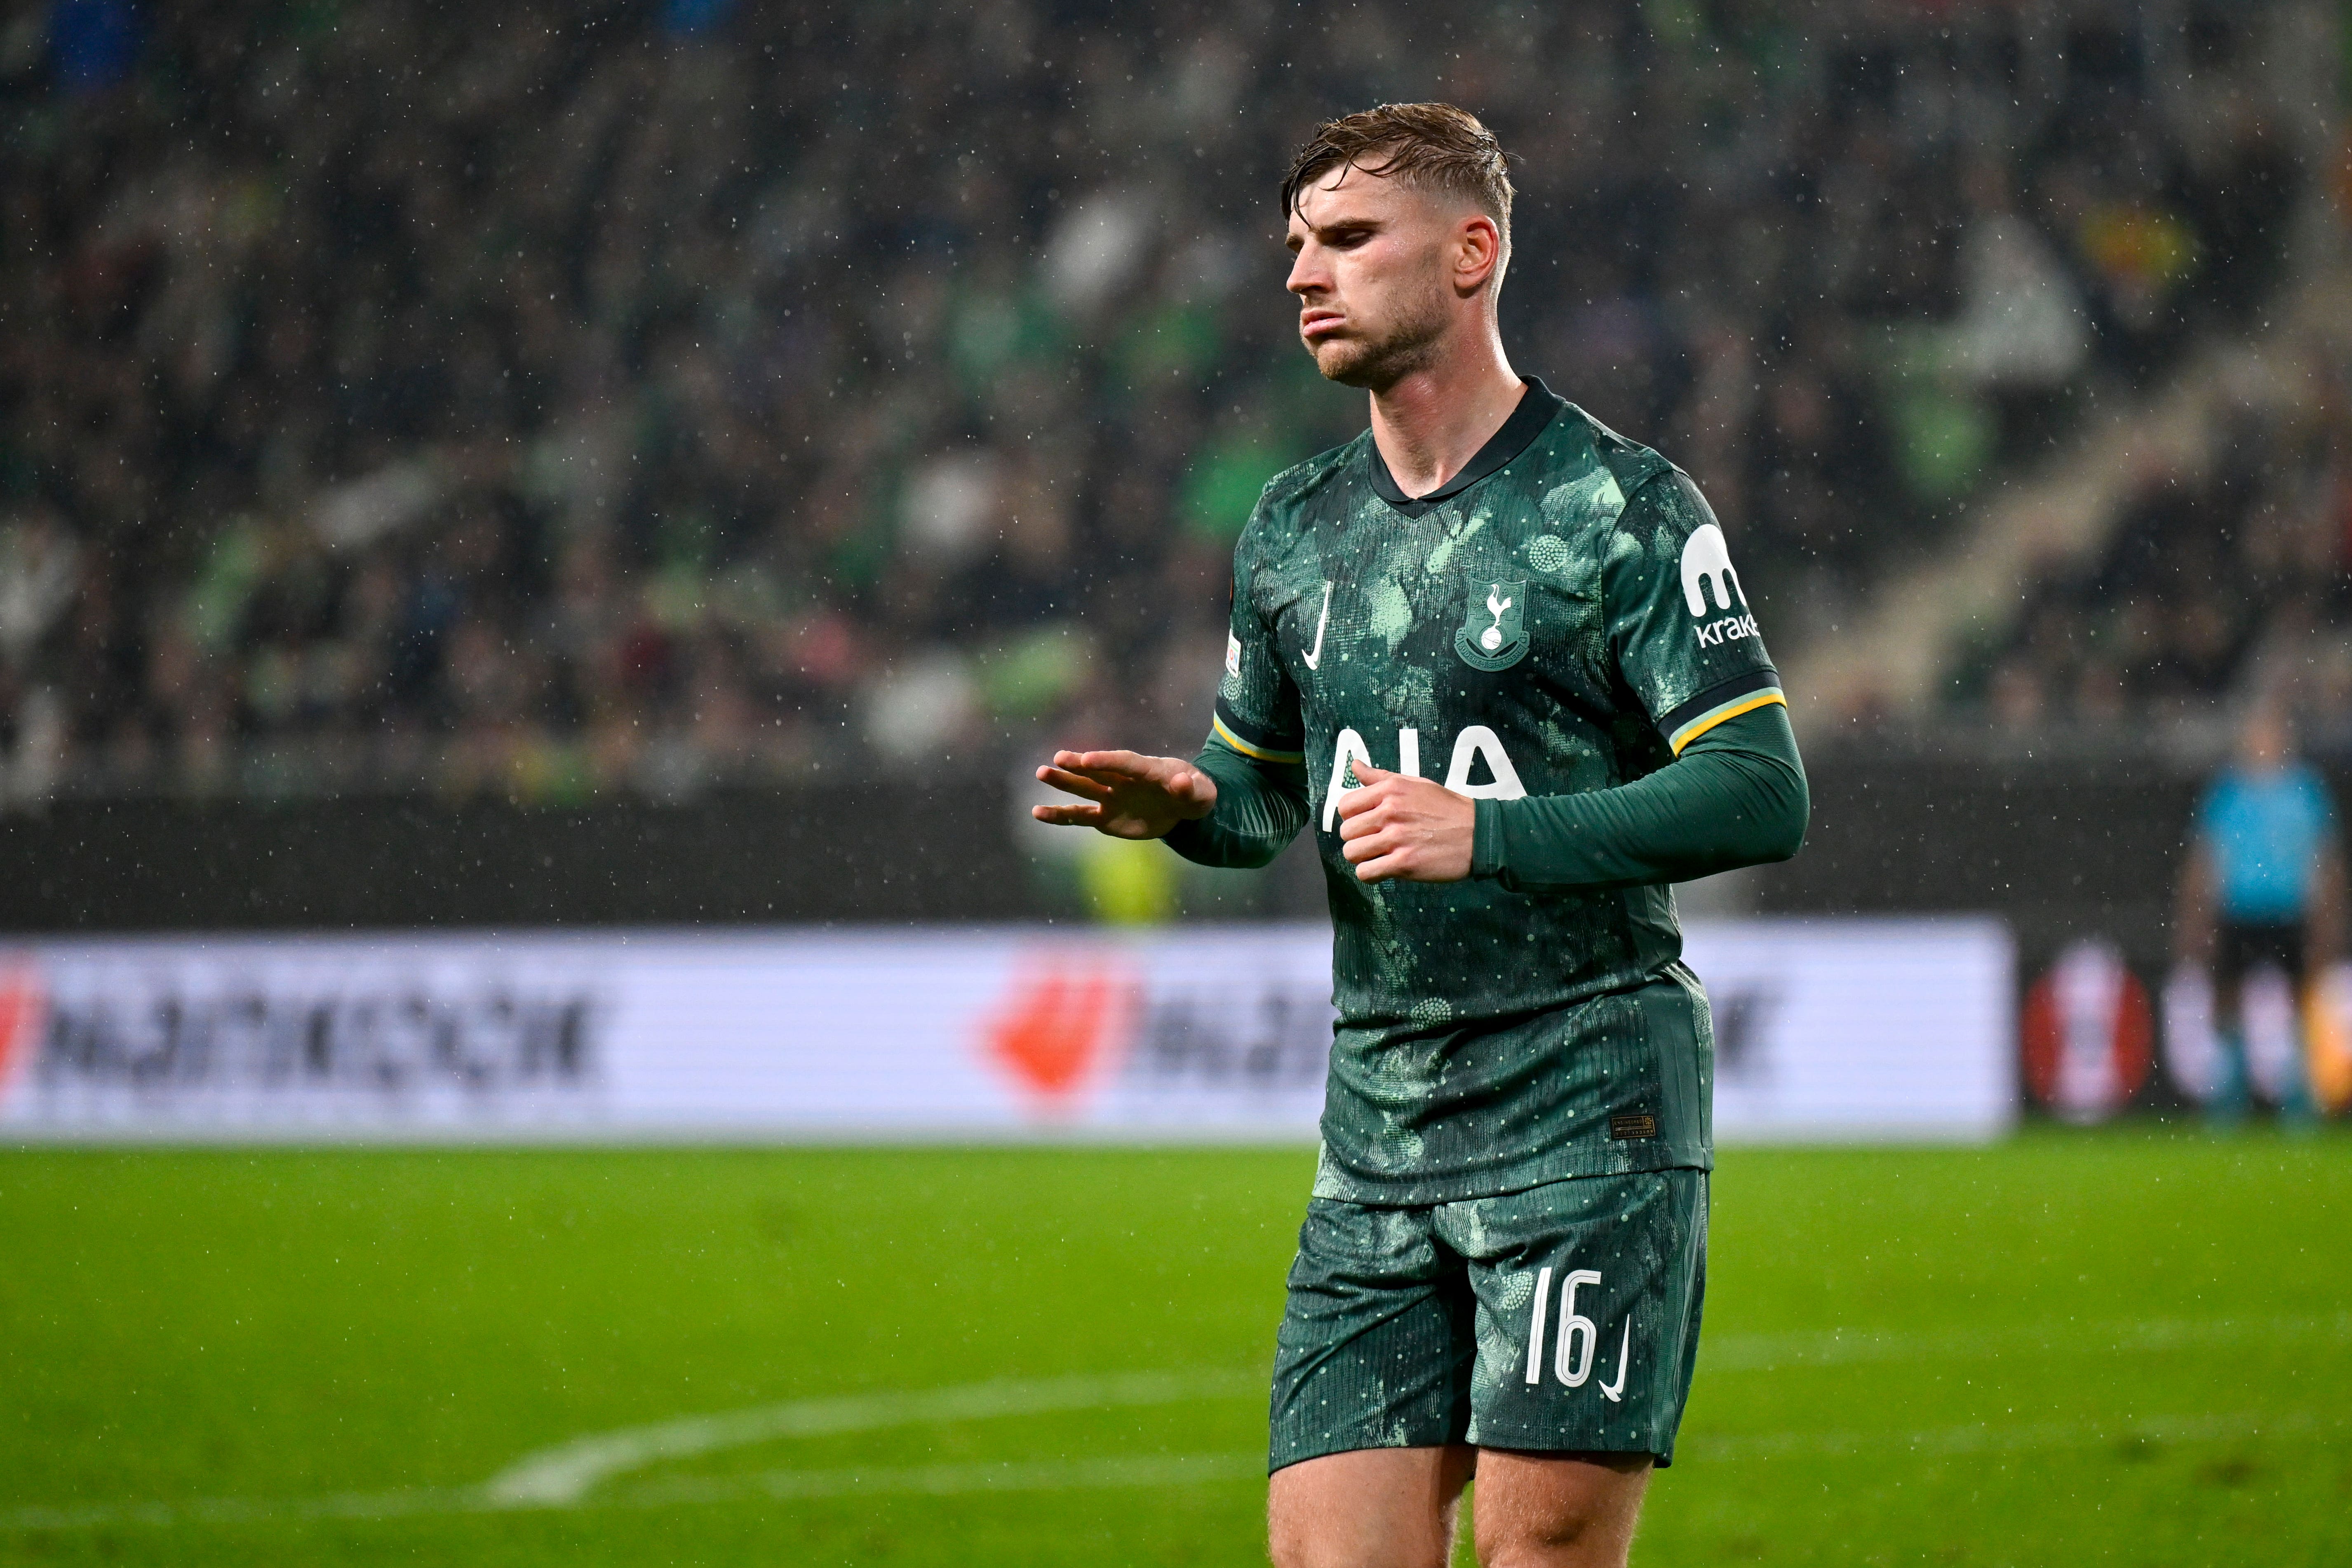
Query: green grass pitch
(2130, 1348)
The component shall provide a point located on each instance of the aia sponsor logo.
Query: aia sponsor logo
(24, 1009)
(1064, 1025)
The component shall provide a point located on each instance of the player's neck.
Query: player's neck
(1429, 425)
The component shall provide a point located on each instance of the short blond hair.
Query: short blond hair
(1431, 146)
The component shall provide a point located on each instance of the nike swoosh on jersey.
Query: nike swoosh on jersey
(1315, 660)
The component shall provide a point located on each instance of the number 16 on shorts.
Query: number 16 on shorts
(1578, 1339)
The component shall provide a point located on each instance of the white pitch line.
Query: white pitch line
(564, 1474)
(932, 1480)
(569, 1471)
(950, 1480)
(1173, 1469)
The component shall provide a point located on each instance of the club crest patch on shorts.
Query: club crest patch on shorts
(1494, 631)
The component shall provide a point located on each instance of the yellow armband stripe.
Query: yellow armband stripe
(1746, 703)
(1248, 750)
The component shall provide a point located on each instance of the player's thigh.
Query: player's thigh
(1367, 1507)
(1557, 1511)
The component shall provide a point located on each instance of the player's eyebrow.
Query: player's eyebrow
(1326, 231)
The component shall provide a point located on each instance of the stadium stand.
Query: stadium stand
(538, 401)
(1920, 664)
(2223, 575)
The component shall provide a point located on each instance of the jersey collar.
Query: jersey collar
(1518, 432)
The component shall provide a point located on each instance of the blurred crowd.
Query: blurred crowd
(547, 398)
(2222, 581)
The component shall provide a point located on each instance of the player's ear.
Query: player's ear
(1479, 246)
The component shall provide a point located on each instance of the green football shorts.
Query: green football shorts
(1563, 1318)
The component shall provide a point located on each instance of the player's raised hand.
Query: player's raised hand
(1126, 793)
(1408, 829)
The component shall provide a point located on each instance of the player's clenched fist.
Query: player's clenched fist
(1401, 828)
(1126, 793)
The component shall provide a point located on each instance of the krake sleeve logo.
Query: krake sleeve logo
(1706, 565)
(1708, 575)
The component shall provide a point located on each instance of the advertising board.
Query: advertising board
(1837, 1029)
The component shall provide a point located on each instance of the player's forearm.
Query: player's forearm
(1260, 808)
(1734, 797)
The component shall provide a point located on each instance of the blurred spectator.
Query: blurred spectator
(2213, 585)
(2263, 887)
(569, 396)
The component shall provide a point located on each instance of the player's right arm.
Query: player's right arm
(1221, 808)
(1126, 793)
(1256, 746)
(1242, 799)
(1260, 808)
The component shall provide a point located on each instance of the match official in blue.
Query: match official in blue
(2263, 887)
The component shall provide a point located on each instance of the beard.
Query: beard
(1405, 344)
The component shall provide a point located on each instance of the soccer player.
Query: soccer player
(1497, 658)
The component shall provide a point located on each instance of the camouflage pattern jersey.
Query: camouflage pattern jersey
(1561, 617)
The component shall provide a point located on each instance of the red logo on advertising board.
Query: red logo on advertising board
(24, 1008)
(1065, 1020)
(2087, 1032)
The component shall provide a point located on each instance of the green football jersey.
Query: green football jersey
(1561, 617)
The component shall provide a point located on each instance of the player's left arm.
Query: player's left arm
(1736, 797)
(1253, 759)
(1682, 633)
(1687, 642)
